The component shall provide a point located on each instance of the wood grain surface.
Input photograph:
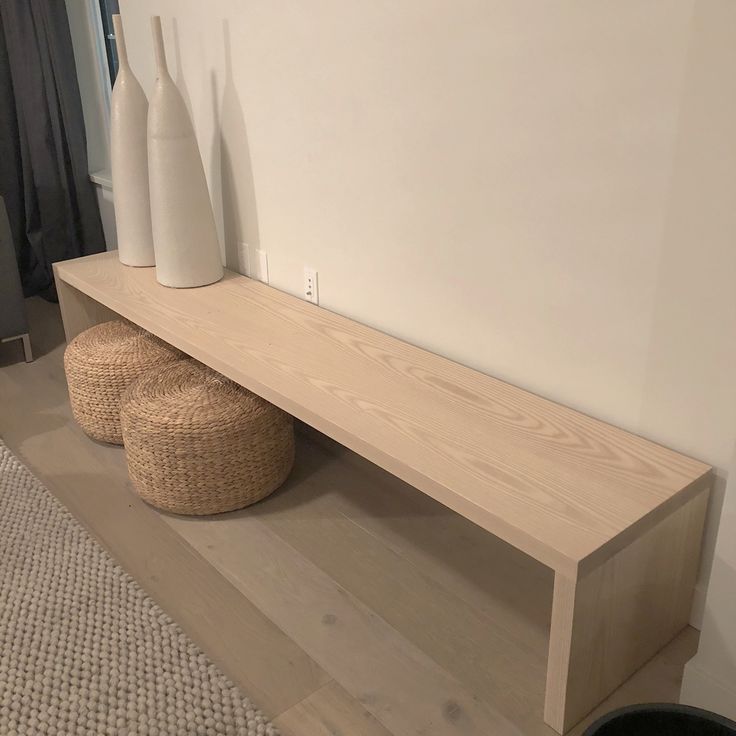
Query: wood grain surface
(609, 622)
(566, 489)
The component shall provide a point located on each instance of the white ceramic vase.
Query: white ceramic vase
(184, 233)
(129, 158)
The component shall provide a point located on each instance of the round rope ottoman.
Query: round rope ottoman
(198, 443)
(100, 363)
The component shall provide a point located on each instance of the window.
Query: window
(108, 8)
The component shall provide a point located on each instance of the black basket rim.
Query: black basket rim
(674, 708)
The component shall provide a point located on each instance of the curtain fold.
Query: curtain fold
(11, 179)
(51, 202)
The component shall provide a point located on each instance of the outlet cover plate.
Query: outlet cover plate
(311, 285)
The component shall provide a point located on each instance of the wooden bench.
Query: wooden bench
(617, 517)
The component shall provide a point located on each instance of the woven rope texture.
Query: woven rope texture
(83, 650)
(198, 443)
(100, 363)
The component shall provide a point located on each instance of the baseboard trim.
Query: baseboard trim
(703, 690)
(698, 609)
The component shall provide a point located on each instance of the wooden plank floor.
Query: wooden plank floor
(348, 603)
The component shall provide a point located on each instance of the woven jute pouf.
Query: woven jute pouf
(198, 443)
(100, 363)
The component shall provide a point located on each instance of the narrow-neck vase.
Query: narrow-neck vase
(129, 159)
(184, 233)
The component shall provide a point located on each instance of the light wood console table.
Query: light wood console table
(617, 517)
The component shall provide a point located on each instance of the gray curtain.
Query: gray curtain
(12, 315)
(44, 177)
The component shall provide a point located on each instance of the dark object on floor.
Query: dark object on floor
(13, 323)
(661, 719)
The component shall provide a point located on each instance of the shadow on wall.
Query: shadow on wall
(180, 80)
(231, 172)
(230, 149)
(214, 180)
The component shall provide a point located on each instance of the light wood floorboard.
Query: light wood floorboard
(331, 711)
(412, 601)
(347, 603)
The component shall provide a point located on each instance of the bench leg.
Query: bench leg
(26, 339)
(78, 311)
(27, 351)
(609, 621)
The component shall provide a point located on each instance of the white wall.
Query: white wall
(710, 677)
(543, 191)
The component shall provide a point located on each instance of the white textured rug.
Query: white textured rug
(83, 650)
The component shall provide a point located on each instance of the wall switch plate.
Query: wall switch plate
(311, 285)
(260, 269)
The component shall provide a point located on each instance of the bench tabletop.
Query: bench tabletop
(565, 488)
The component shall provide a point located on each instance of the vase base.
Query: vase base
(134, 258)
(191, 286)
(137, 265)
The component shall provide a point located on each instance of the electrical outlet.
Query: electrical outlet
(311, 285)
(261, 266)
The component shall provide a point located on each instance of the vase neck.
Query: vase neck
(117, 23)
(162, 69)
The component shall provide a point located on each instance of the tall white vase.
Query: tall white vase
(129, 154)
(184, 234)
